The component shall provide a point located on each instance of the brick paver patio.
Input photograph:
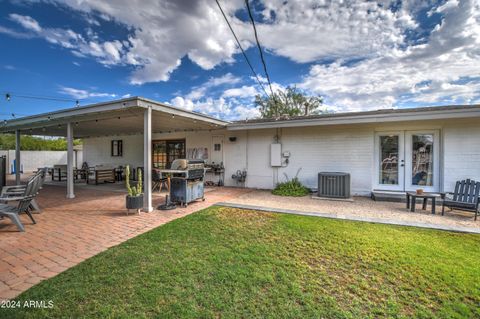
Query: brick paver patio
(70, 231)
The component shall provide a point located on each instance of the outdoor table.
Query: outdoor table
(412, 200)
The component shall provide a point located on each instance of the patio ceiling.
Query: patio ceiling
(113, 118)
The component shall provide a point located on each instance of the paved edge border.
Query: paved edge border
(459, 229)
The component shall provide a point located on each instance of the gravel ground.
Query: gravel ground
(361, 206)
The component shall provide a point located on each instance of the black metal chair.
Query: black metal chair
(465, 197)
(158, 181)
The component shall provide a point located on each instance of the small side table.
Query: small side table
(412, 200)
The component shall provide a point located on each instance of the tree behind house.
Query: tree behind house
(34, 143)
(291, 102)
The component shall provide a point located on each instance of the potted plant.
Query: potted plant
(134, 199)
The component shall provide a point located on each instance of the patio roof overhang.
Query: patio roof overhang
(128, 116)
(124, 116)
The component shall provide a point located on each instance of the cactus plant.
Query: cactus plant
(133, 190)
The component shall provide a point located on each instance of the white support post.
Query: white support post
(147, 160)
(17, 157)
(70, 191)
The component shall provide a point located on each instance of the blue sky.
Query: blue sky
(358, 55)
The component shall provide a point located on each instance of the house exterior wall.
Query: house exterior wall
(321, 149)
(97, 151)
(344, 148)
(461, 152)
(32, 160)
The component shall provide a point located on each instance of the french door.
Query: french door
(407, 160)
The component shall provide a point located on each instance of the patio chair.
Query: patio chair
(465, 197)
(18, 190)
(23, 205)
(158, 181)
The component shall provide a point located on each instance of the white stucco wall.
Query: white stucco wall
(461, 152)
(321, 149)
(32, 160)
(313, 149)
(97, 151)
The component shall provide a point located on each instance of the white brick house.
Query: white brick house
(386, 150)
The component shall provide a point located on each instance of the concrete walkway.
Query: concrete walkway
(462, 229)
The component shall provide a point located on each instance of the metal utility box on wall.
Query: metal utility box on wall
(276, 155)
(334, 184)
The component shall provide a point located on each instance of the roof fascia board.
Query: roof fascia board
(361, 119)
(176, 111)
(73, 112)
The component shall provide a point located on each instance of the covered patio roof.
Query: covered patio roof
(134, 115)
(124, 116)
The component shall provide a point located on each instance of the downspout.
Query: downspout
(245, 184)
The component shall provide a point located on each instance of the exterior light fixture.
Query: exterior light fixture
(173, 116)
(8, 96)
(77, 104)
(76, 123)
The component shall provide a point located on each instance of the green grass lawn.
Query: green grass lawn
(230, 263)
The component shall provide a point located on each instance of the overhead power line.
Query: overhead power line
(259, 47)
(10, 95)
(241, 48)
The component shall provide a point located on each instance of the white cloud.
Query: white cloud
(26, 21)
(200, 91)
(107, 53)
(442, 70)
(212, 98)
(391, 67)
(83, 94)
(241, 92)
(163, 32)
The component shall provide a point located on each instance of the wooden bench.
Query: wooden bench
(101, 176)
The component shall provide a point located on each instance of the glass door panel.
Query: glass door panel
(389, 147)
(389, 161)
(422, 160)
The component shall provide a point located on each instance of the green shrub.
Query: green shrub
(292, 187)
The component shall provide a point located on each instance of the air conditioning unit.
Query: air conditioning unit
(334, 184)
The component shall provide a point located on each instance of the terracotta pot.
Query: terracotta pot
(419, 191)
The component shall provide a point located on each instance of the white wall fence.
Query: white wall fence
(32, 160)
